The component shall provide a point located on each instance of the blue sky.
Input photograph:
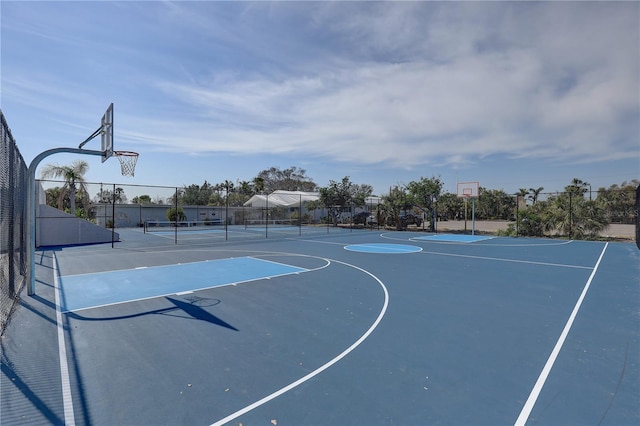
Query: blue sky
(513, 95)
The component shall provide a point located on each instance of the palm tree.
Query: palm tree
(258, 184)
(73, 176)
(577, 187)
(535, 193)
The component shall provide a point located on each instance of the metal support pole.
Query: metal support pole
(113, 215)
(570, 215)
(473, 216)
(266, 221)
(176, 219)
(517, 214)
(226, 215)
(465, 214)
(32, 205)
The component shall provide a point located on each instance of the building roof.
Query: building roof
(282, 198)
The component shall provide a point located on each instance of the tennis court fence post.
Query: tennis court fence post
(517, 213)
(113, 216)
(176, 219)
(638, 216)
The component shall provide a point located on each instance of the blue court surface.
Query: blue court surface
(351, 327)
(455, 238)
(106, 288)
(383, 248)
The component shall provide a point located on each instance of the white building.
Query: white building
(291, 199)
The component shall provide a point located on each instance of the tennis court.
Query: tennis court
(327, 327)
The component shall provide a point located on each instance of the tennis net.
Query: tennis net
(271, 223)
(182, 226)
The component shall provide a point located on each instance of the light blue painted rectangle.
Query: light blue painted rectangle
(107, 288)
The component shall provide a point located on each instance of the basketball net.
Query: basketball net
(128, 160)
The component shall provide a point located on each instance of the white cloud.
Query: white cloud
(475, 107)
(398, 83)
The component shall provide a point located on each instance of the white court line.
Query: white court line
(496, 259)
(67, 398)
(537, 388)
(479, 243)
(500, 259)
(323, 367)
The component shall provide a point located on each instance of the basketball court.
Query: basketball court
(321, 326)
(351, 327)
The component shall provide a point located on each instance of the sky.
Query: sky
(509, 94)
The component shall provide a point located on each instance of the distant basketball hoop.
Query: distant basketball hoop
(128, 160)
(466, 191)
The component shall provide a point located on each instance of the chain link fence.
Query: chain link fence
(13, 240)
(175, 211)
(580, 214)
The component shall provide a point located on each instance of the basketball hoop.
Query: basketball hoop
(128, 160)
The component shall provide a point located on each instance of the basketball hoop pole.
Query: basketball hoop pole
(473, 216)
(31, 208)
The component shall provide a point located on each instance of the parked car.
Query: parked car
(371, 220)
(410, 219)
(360, 218)
(365, 218)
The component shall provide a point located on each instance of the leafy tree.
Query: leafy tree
(227, 192)
(174, 214)
(424, 193)
(315, 205)
(450, 206)
(494, 204)
(161, 201)
(397, 201)
(73, 176)
(196, 195)
(530, 223)
(142, 199)
(106, 196)
(237, 199)
(52, 196)
(291, 179)
(241, 193)
(339, 195)
(120, 197)
(572, 215)
(103, 197)
(619, 201)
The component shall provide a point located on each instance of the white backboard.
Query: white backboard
(106, 134)
(468, 189)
